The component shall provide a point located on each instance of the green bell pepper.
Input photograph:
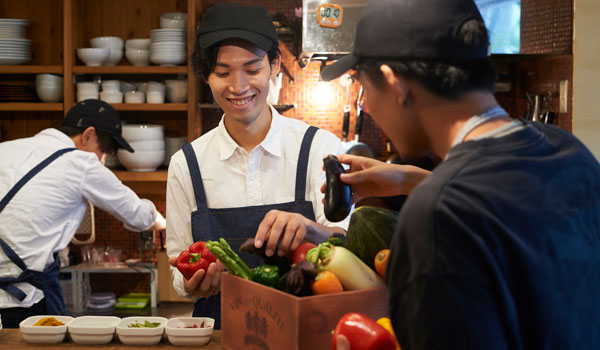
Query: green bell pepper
(266, 274)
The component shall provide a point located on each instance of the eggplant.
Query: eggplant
(338, 195)
(276, 260)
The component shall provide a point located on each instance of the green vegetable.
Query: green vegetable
(146, 324)
(229, 258)
(370, 230)
(266, 274)
(349, 269)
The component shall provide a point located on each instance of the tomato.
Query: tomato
(381, 261)
(300, 252)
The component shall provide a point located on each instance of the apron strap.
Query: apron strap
(303, 163)
(13, 191)
(194, 168)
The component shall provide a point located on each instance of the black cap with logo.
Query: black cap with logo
(99, 114)
(419, 29)
(235, 21)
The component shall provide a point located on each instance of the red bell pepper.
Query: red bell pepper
(363, 333)
(195, 258)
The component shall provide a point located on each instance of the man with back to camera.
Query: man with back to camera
(45, 181)
(257, 174)
(499, 247)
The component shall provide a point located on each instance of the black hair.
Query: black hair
(445, 78)
(105, 142)
(204, 60)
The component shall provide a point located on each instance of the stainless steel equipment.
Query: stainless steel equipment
(321, 42)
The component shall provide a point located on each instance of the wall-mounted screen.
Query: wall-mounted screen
(503, 21)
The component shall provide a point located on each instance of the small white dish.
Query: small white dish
(140, 336)
(44, 334)
(111, 96)
(93, 330)
(178, 334)
(134, 97)
(155, 97)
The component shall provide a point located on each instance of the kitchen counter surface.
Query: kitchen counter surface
(11, 339)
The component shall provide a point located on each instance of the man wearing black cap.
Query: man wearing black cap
(45, 181)
(257, 174)
(499, 247)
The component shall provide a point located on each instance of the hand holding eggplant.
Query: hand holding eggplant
(338, 195)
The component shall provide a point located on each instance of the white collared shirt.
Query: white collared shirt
(44, 215)
(234, 178)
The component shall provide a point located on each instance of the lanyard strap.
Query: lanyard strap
(476, 120)
(13, 191)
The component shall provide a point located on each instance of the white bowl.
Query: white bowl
(49, 93)
(44, 334)
(189, 336)
(134, 97)
(93, 56)
(111, 85)
(137, 44)
(49, 78)
(87, 87)
(116, 54)
(140, 336)
(173, 20)
(177, 90)
(93, 330)
(150, 145)
(155, 97)
(138, 57)
(142, 132)
(107, 42)
(86, 96)
(155, 86)
(167, 60)
(111, 96)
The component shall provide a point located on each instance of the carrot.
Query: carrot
(381, 261)
(326, 282)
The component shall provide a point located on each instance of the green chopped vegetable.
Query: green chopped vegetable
(146, 324)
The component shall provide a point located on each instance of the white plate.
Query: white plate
(93, 329)
(44, 334)
(9, 61)
(140, 336)
(189, 336)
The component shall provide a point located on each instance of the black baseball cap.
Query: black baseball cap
(99, 114)
(235, 21)
(419, 29)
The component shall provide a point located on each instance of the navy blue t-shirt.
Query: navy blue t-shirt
(499, 248)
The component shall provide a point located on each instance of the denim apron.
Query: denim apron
(47, 280)
(238, 224)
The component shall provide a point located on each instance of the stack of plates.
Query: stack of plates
(17, 91)
(14, 48)
(168, 47)
(172, 145)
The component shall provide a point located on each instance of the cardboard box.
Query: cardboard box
(254, 316)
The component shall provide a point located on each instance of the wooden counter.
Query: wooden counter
(11, 339)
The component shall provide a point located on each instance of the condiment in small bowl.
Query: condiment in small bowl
(189, 331)
(44, 334)
(139, 330)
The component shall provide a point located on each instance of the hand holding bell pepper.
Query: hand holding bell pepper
(195, 258)
(363, 333)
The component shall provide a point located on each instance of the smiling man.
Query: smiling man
(257, 174)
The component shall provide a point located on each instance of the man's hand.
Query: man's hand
(160, 223)
(277, 225)
(203, 284)
(372, 178)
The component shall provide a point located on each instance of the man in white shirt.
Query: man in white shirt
(258, 174)
(45, 181)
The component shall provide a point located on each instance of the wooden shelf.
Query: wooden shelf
(280, 108)
(164, 107)
(31, 69)
(130, 70)
(133, 176)
(30, 106)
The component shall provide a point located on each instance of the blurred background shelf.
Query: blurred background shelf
(280, 108)
(31, 106)
(164, 107)
(130, 70)
(31, 69)
(151, 176)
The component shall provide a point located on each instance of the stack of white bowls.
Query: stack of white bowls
(168, 47)
(173, 20)
(172, 145)
(111, 91)
(148, 142)
(137, 51)
(177, 90)
(14, 48)
(49, 87)
(155, 92)
(114, 44)
(87, 90)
